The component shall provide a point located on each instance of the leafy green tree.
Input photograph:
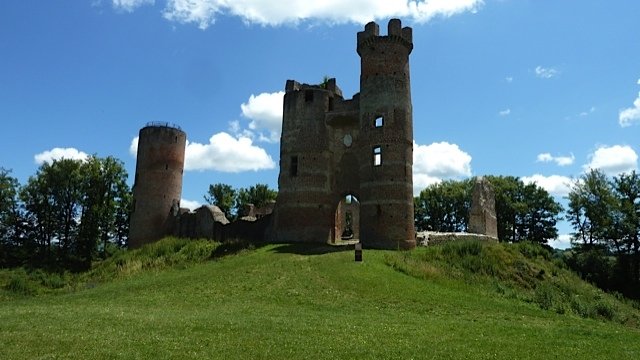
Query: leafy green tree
(9, 218)
(444, 206)
(223, 196)
(258, 195)
(591, 209)
(106, 198)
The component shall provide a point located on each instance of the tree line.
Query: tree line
(66, 215)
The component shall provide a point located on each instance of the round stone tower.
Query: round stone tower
(157, 187)
(386, 138)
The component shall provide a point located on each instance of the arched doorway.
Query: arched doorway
(347, 220)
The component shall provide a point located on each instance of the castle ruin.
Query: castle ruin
(331, 149)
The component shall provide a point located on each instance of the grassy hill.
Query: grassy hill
(180, 299)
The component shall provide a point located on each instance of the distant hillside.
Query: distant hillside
(198, 299)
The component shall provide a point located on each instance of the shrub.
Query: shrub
(19, 284)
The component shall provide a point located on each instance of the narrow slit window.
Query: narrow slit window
(379, 121)
(294, 166)
(308, 96)
(377, 156)
(330, 104)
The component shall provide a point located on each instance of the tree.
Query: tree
(9, 219)
(223, 196)
(444, 206)
(106, 198)
(591, 209)
(258, 195)
(605, 215)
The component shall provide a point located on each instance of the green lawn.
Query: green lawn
(282, 301)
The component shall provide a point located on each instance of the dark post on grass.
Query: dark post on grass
(358, 252)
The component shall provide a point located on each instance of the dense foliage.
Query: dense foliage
(68, 213)
(605, 214)
(524, 211)
(233, 202)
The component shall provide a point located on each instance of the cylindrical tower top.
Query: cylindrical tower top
(395, 33)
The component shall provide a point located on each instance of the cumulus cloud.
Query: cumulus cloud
(505, 112)
(59, 153)
(555, 184)
(133, 148)
(613, 160)
(226, 153)
(436, 162)
(630, 116)
(272, 13)
(559, 160)
(546, 73)
(130, 5)
(562, 242)
(189, 204)
(265, 112)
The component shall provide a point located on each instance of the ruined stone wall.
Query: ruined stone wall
(482, 216)
(157, 186)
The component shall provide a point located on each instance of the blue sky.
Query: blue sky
(538, 89)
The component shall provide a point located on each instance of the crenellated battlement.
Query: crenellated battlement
(395, 33)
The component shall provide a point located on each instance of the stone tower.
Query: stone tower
(363, 147)
(157, 187)
(482, 216)
(386, 137)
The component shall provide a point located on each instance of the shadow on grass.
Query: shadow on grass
(310, 249)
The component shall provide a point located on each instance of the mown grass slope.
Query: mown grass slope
(294, 301)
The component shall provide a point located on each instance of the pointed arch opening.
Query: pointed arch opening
(347, 220)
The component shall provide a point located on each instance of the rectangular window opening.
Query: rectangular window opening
(308, 96)
(379, 121)
(377, 155)
(330, 104)
(294, 166)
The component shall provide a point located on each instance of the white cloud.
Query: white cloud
(133, 148)
(629, 116)
(130, 5)
(273, 13)
(436, 162)
(226, 153)
(555, 184)
(546, 73)
(505, 112)
(562, 242)
(189, 204)
(586, 113)
(613, 160)
(559, 160)
(59, 153)
(265, 112)
(509, 79)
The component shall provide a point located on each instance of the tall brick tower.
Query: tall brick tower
(158, 182)
(386, 137)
